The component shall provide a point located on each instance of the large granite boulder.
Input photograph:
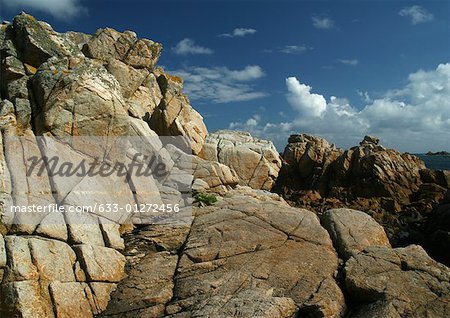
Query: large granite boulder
(352, 231)
(109, 44)
(256, 162)
(37, 42)
(401, 282)
(240, 258)
(243, 253)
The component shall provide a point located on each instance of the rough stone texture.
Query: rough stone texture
(352, 231)
(145, 99)
(218, 177)
(2, 252)
(69, 299)
(394, 188)
(36, 42)
(174, 114)
(438, 231)
(53, 259)
(369, 170)
(53, 226)
(152, 255)
(24, 299)
(65, 85)
(100, 296)
(256, 162)
(108, 44)
(20, 265)
(101, 263)
(30, 189)
(84, 100)
(308, 157)
(128, 77)
(246, 251)
(438, 177)
(401, 282)
(249, 254)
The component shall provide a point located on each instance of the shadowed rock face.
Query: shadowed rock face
(401, 282)
(395, 188)
(367, 171)
(438, 231)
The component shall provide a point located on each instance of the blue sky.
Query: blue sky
(339, 69)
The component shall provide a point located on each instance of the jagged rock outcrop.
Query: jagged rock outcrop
(367, 171)
(256, 162)
(56, 88)
(395, 188)
(309, 157)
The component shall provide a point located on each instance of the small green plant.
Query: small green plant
(205, 198)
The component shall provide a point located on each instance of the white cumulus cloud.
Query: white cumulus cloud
(188, 46)
(61, 9)
(221, 84)
(301, 99)
(324, 23)
(415, 118)
(239, 32)
(417, 14)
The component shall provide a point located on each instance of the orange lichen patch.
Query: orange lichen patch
(29, 69)
(30, 17)
(174, 78)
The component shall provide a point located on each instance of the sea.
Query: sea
(435, 162)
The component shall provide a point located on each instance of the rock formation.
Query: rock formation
(397, 189)
(437, 231)
(256, 162)
(247, 253)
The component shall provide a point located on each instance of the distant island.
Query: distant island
(439, 153)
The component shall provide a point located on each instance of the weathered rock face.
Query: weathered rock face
(369, 170)
(240, 258)
(174, 114)
(309, 156)
(65, 86)
(256, 162)
(438, 231)
(352, 231)
(243, 252)
(394, 188)
(401, 282)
